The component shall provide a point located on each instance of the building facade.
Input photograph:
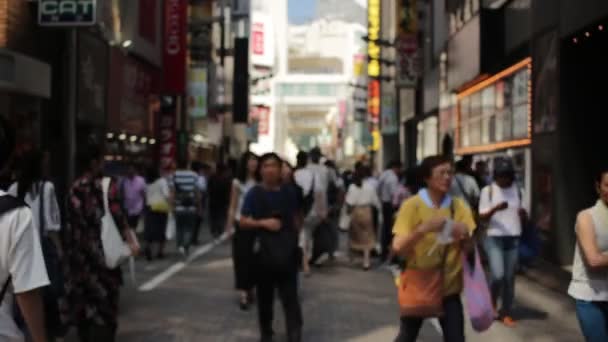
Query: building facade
(513, 78)
(314, 92)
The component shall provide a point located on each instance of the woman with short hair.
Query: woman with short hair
(416, 230)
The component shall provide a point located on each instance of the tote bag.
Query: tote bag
(420, 291)
(116, 251)
(477, 295)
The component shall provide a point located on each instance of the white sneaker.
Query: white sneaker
(182, 252)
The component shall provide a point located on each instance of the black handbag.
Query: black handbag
(276, 251)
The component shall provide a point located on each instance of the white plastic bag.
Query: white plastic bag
(170, 231)
(141, 225)
(344, 223)
(116, 251)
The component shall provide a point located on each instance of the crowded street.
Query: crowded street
(341, 303)
(303, 171)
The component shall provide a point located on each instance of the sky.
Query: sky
(301, 11)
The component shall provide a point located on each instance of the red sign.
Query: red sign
(257, 38)
(175, 49)
(373, 100)
(167, 137)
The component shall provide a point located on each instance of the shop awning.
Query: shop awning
(23, 74)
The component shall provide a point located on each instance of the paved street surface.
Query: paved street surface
(196, 302)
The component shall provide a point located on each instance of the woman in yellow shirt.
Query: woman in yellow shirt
(416, 230)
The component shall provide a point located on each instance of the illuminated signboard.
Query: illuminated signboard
(66, 12)
(373, 33)
(373, 100)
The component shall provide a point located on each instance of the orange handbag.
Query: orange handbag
(420, 291)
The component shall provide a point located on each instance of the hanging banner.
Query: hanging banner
(167, 135)
(175, 46)
(197, 93)
(389, 118)
(406, 44)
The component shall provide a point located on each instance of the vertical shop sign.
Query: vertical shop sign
(167, 132)
(389, 119)
(406, 43)
(373, 32)
(174, 48)
(197, 93)
(373, 100)
(262, 42)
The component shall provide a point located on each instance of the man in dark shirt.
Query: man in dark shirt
(271, 209)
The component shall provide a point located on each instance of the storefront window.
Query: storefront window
(496, 110)
(488, 110)
(475, 119)
(520, 121)
(465, 108)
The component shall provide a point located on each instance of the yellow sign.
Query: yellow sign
(358, 65)
(373, 34)
(377, 140)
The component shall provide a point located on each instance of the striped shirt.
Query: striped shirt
(187, 185)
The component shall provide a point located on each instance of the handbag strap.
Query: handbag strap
(41, 215)
(447, 247)
(105, 187)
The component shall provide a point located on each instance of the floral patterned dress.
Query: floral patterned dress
(91, 289)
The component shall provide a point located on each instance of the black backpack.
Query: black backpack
(278, 251)
(50, 294)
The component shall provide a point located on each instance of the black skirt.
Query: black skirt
(243, 258)
(155, 226)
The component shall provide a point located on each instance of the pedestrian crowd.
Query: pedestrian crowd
(446, 231)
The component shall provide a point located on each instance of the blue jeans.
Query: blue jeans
(502, 252)
(593, 319)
